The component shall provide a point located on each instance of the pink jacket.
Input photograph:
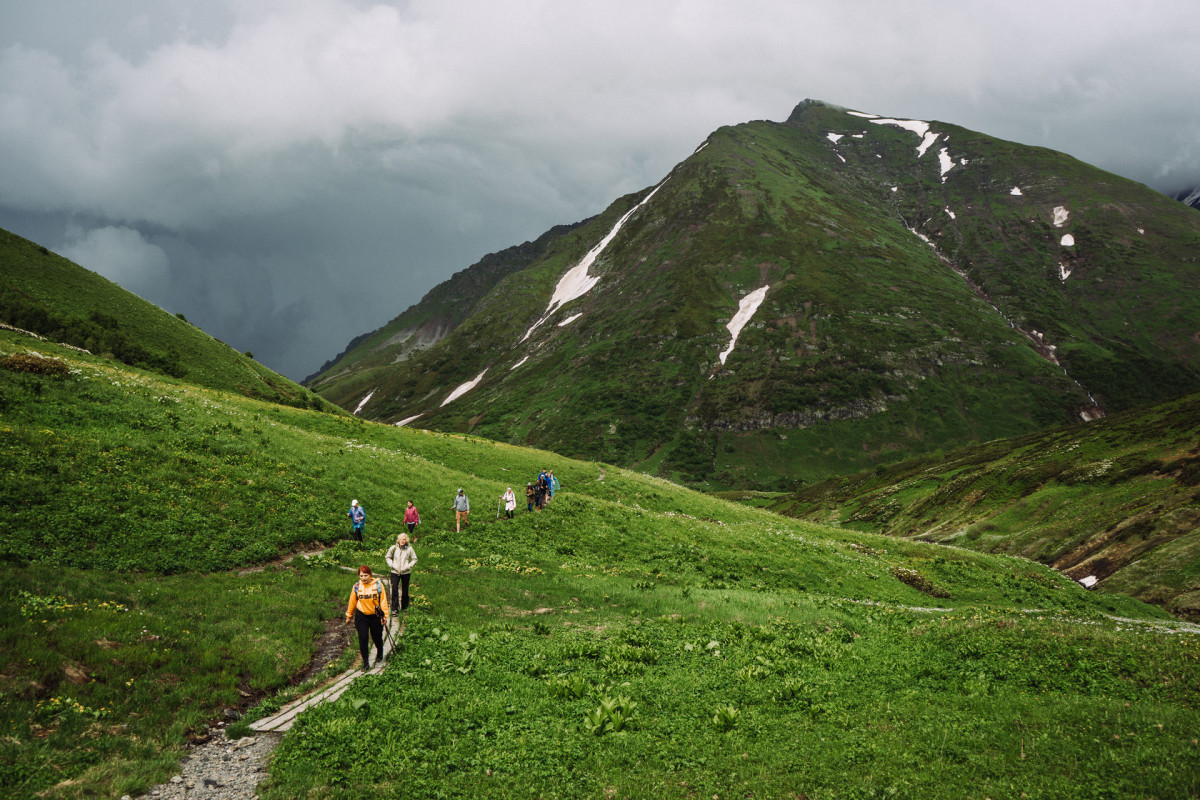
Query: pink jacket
(411, 515)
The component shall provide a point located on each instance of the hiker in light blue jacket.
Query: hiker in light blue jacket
(462, 507)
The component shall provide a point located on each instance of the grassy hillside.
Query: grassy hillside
(48, 295)
(634, 639)
(1116, 499)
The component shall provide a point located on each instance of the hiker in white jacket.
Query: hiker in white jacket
(401, 558)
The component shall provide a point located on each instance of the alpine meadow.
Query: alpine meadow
(842, 410)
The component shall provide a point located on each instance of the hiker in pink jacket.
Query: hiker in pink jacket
(411, 518)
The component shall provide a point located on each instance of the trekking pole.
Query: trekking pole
(387, 632)
(499, 505)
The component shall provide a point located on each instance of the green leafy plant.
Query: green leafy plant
(613, 714)
(725, 717)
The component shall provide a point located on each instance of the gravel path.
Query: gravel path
(220, 768)
(231, 769)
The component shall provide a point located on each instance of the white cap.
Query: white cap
(353, 502)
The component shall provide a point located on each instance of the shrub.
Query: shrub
(918, 582)
(26, 362)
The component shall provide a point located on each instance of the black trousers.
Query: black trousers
(400, 581)
(372, 623)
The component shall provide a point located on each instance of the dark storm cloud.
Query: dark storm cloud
(292, 174)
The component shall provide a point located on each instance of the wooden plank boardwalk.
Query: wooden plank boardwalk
(282, 720)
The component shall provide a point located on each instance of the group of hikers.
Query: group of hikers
(369, 607)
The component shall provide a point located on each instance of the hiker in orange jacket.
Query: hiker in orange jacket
(368, 608)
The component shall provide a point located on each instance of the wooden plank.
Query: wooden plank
(282, 720)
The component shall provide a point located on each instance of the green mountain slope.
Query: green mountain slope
(1115, 500)
(916, 299)
(634, 639)
(48, 295)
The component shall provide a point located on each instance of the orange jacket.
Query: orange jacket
(367, 596)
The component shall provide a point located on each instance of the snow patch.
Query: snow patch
(839, 155)
(1193, 197)
(833, 137)
(963, 161)
(1142, 231)
(1089, 581)
(466, 387)
(861, 114)
(929, 139)
(365, 400)
(915, 125)
(923, 238)
(570, 319)
(856, 136)
(1068, 240)
(746, 308)
(701, 147)
(919, 127)
(895, 188)
(1015, 191)
(1061, 215)
(406, 420)
(576, 282)
(945, 162)
(1064, 272)
(519, 363)
(950, 213)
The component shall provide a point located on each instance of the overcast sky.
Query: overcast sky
(290, 174)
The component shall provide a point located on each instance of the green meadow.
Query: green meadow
(634, 639)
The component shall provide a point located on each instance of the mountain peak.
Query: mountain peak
(917, 286)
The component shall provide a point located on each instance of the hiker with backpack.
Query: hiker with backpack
(510, 503)
(529, 497)
(358, 520)
(368, 609)
(401, 558)
(540, 488)
(461, 507)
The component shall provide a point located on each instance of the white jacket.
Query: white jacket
(401, 559)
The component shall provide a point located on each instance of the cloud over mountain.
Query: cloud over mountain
(338, 158)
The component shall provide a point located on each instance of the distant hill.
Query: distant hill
(48, 295)
(1189, 197)
(426, 323)
(896, 287)
(1117, 501)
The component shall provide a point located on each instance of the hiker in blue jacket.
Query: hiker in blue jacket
(358, 520)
